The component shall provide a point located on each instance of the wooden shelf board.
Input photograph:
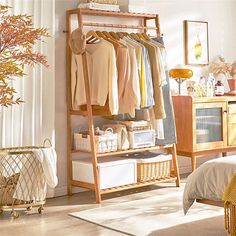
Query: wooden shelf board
(122, 152)
(139, 184)
(112, 13)
(95, 112)
(78, 112)
(206, 152)
(80, 184)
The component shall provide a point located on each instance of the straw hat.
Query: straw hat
(77, 41)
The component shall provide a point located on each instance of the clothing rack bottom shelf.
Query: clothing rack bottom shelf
(138, 185)
(125, 187)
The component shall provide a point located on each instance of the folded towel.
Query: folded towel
(98, 6)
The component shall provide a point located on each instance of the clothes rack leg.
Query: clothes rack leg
(176, 166)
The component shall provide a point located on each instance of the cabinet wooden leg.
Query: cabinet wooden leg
(69, 189)
(176, 166)
(98, 197)
(224, 154)
(194, 162)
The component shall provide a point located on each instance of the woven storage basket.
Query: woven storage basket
(151, 165)
(22, 181)
(104, 143)
(153, 170)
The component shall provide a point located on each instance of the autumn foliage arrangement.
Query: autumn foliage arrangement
(17, 38)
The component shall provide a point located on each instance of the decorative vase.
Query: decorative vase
(232, 86)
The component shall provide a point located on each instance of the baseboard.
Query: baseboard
(50, 192)
(185, 169)
(62, 191)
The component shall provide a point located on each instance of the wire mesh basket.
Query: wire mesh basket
(22, 181)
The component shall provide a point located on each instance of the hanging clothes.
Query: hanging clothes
(169, 121)
(146, 83)
(141, 70)
(159, 108)
(130, 96)
(131, 74)
(101, 60)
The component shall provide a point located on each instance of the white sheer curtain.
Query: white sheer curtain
(33, 121)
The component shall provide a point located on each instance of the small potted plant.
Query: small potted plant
(225, 72)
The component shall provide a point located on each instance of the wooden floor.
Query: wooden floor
(56, 221)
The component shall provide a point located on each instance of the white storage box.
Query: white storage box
(113, 171)
(142, 138)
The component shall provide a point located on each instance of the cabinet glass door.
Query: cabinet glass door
(210, 125)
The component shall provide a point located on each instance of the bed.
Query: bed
(208, 182)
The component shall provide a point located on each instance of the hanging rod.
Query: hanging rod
(119, 26)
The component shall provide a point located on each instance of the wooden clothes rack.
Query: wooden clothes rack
(91, 110)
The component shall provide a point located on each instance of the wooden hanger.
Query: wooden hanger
(134, 36)
(92, 37)
(114, 35)
(146, 36)
(107, 34)
(121, 34)
(141, 36)
(101, 34)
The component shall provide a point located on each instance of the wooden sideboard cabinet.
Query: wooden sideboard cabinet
(205, 126)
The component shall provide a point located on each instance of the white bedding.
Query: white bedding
(209, 180)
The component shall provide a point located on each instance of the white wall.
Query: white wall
(222, 37)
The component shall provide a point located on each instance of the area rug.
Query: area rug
(160, 210)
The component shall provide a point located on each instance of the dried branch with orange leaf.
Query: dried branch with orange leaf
(17, 38)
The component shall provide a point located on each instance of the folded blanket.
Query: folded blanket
(98, 6)
(229, 199)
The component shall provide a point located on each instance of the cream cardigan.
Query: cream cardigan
(101, 60)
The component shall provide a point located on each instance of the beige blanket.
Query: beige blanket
(229, 199)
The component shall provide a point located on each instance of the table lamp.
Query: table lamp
(180, 75)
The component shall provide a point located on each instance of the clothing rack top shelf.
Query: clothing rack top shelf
(145, 17)
(111, 13)
(90, 111)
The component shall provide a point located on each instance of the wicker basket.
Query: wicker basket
(104, 143)
(153, 168)
(22, 181)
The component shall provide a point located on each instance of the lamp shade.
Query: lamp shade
(181, 73)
